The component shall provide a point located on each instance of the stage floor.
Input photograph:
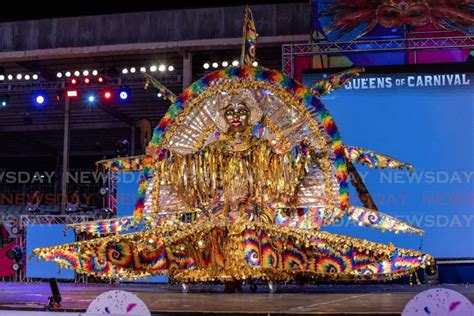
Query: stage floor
(165, 299)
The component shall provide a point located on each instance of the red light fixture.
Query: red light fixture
(100, 79)
(71, 93)
(107, 94)
(87, 80)
(73, 81)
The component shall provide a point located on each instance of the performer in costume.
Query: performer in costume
(240, 177)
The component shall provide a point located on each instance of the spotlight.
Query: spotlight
(77, 73)
(39, 98)
(27, 77)
(159, 95)
(87, 81)
(124, 93)
(2, 77)
(95, 72)
(71, 93)
(19, 76)
(68, 74)
(255, 63)
(162, 68)
(235, 63)
(153, 68)
(142, 69)
(215, 65)
(225, 63)
(206, 66)
(133, 70)
(171, 68)
(10, 77)
(15, 254)
(85, 73)
(73, 81)
(100, 79)
(107, 94)
(124, 71)
(91, 98)
(35, 77)
(4, 100)
(105, 212)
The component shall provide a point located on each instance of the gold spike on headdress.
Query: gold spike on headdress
(249, 39)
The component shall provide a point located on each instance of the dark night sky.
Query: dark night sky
(18, 10)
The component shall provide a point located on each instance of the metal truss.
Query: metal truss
(112, 190)
(26, 220)
(290, 51)
(52, 219)
(130, 81)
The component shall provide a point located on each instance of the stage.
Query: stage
(202, 299)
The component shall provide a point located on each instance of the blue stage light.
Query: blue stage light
(91, 98)
(4, 100)
(39, 98)
(124, 93)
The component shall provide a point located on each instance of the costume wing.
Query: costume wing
(373, 159)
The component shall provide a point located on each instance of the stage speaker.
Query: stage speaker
(11, 254)
(15, 254)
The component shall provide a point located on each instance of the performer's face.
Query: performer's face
(237, 116)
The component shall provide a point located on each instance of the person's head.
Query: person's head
(237, 110)
(237, 115)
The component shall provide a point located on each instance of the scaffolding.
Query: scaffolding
(112, 190)
(130, 81)
(25, 220)
(290, 51)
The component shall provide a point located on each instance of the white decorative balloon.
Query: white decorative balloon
(439, 301)
(117, 303)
